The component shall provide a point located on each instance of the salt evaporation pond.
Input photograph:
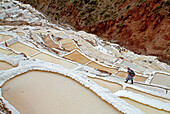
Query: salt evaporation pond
(145, 108)
(48, 58)
(113, 87)
(5, 66)
(23, 48)
(148, 95)
(3, 51)
(161, 79)
(5, 37)
(44, 92)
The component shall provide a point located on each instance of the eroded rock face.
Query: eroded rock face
(141, 26)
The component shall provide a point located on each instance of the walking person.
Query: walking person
(130, 76)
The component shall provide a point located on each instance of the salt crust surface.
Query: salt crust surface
(26, 65)
(81, 77)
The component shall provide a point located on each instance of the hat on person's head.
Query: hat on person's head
(128, 68)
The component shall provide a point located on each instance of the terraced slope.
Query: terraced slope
(139, 25)
(34, 44)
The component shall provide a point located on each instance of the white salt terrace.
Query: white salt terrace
(90, 51)
(85, 60)
(5, 66)
(46, 92)
(49, 42)
(36, 38)
(49, 58)
(19, 47)
(61, 34)
(161, 68)
(70, 32)
(113, 51)
(136, 78)
(68, 44)
(133, 66)
(43, 32)
(145, 108)
(84, 34)
(148, 94)
(77, 57)
(21, 33)
(5, 37)
(23, 48)
(3, 51)
(162, 79)
(113, 87)
(102, 68)
(43, 92)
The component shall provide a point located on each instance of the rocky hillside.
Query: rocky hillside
(139, 25)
